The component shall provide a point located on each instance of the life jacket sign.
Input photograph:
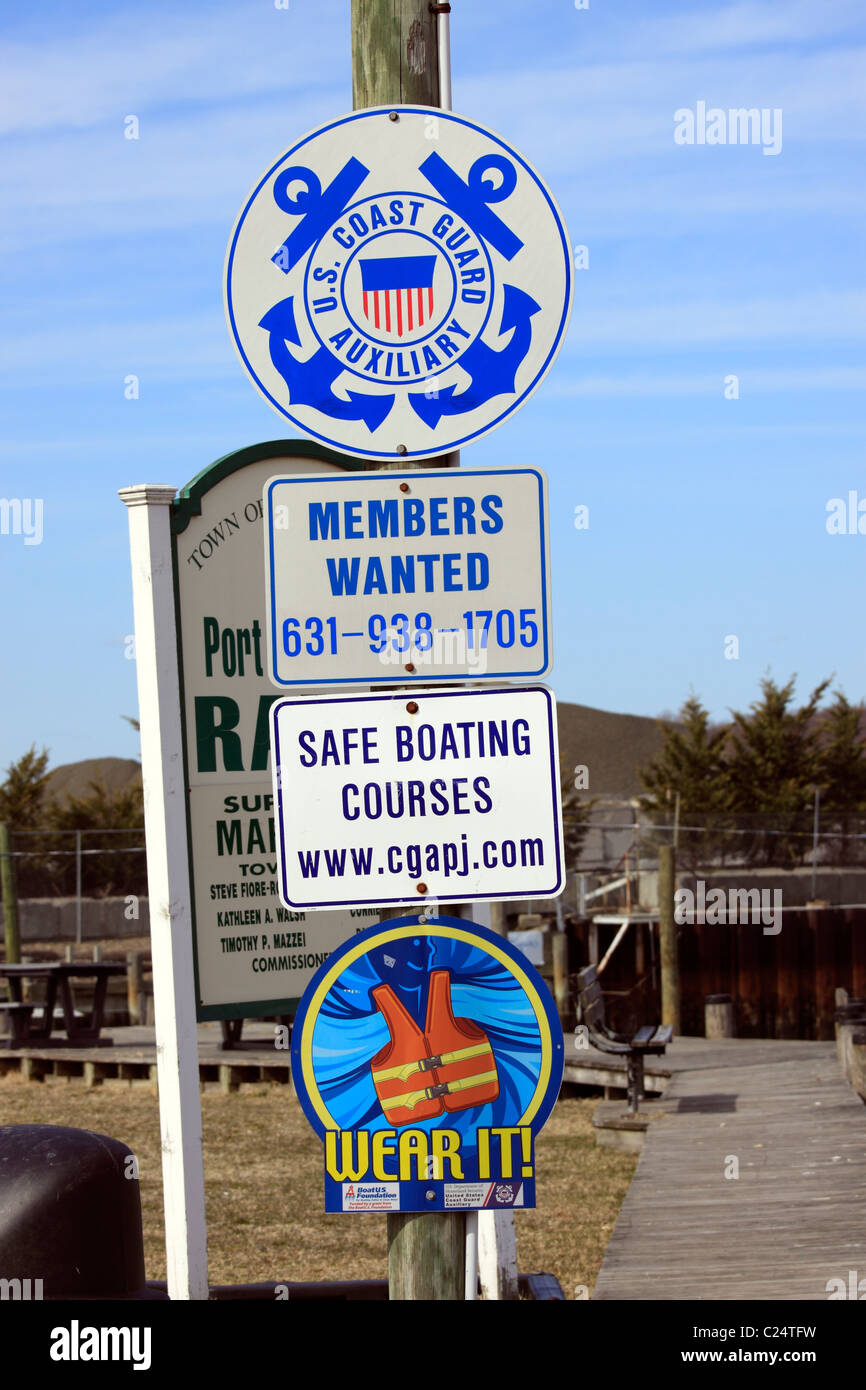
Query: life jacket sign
(449, 1065)
(399, 282)
(427, 1054)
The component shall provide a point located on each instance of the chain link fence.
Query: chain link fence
(798, 839)
(83, 863)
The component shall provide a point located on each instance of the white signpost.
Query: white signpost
(445, 795)
(165, 825)
(399, 282)
(401, 577)
(202, 694)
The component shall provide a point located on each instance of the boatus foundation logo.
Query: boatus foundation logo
(399, 282)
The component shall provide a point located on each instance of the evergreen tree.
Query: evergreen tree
(774, 764)
(22, 795)
(576, 815)
(112, 873)
(691, 762)
(842, 779)
(22, 806)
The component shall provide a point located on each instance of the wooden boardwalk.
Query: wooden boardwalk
(132, 1057)
(588, 1067)
(796, 1215)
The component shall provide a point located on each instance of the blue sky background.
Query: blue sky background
(707, 515)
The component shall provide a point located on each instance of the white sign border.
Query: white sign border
(417, 902)
(422, 676)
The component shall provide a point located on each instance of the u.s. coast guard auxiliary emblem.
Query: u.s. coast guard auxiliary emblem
(399, 282)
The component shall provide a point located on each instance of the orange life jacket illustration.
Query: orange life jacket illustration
(447, 1066)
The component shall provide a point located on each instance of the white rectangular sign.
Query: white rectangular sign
(436, 575)
(442, 796)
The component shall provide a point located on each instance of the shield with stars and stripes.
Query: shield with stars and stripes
(398, 292)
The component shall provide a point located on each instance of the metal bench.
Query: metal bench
(647, 1041)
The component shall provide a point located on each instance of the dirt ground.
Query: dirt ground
(264, 1185)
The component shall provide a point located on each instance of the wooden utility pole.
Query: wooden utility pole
(395, 61)
(395, 53)
(497, 918)
(668, 938)
(10, 898)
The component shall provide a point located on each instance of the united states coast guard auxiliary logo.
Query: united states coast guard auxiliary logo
(399, 283)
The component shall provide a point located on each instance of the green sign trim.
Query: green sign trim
(187, 504)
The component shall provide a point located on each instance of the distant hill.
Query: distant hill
(73, 779)
(613, 747)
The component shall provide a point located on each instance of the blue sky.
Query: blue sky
(707, 515)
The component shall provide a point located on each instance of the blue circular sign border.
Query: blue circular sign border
(560, 331)
(424, 927)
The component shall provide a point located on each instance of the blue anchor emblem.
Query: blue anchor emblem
(310, 382)
(492, 371)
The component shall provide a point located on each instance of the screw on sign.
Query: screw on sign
(394, 300)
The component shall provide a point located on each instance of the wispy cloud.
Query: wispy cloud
(751, 382)
(164, 348)
(215, 108)
(140, 61)
(581, 116)
(749, 24)
(809, 317)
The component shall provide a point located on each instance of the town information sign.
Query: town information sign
(426, 576)
(427, 1055)
(253, 956)
(450, 796)
(399, 282)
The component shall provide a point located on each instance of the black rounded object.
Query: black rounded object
(69, 1214)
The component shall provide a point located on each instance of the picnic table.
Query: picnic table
(57, 976)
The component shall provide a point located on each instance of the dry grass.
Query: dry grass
(264, 1187)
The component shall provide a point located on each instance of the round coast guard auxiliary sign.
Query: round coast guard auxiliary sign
(427, 1054)
(399, 282)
